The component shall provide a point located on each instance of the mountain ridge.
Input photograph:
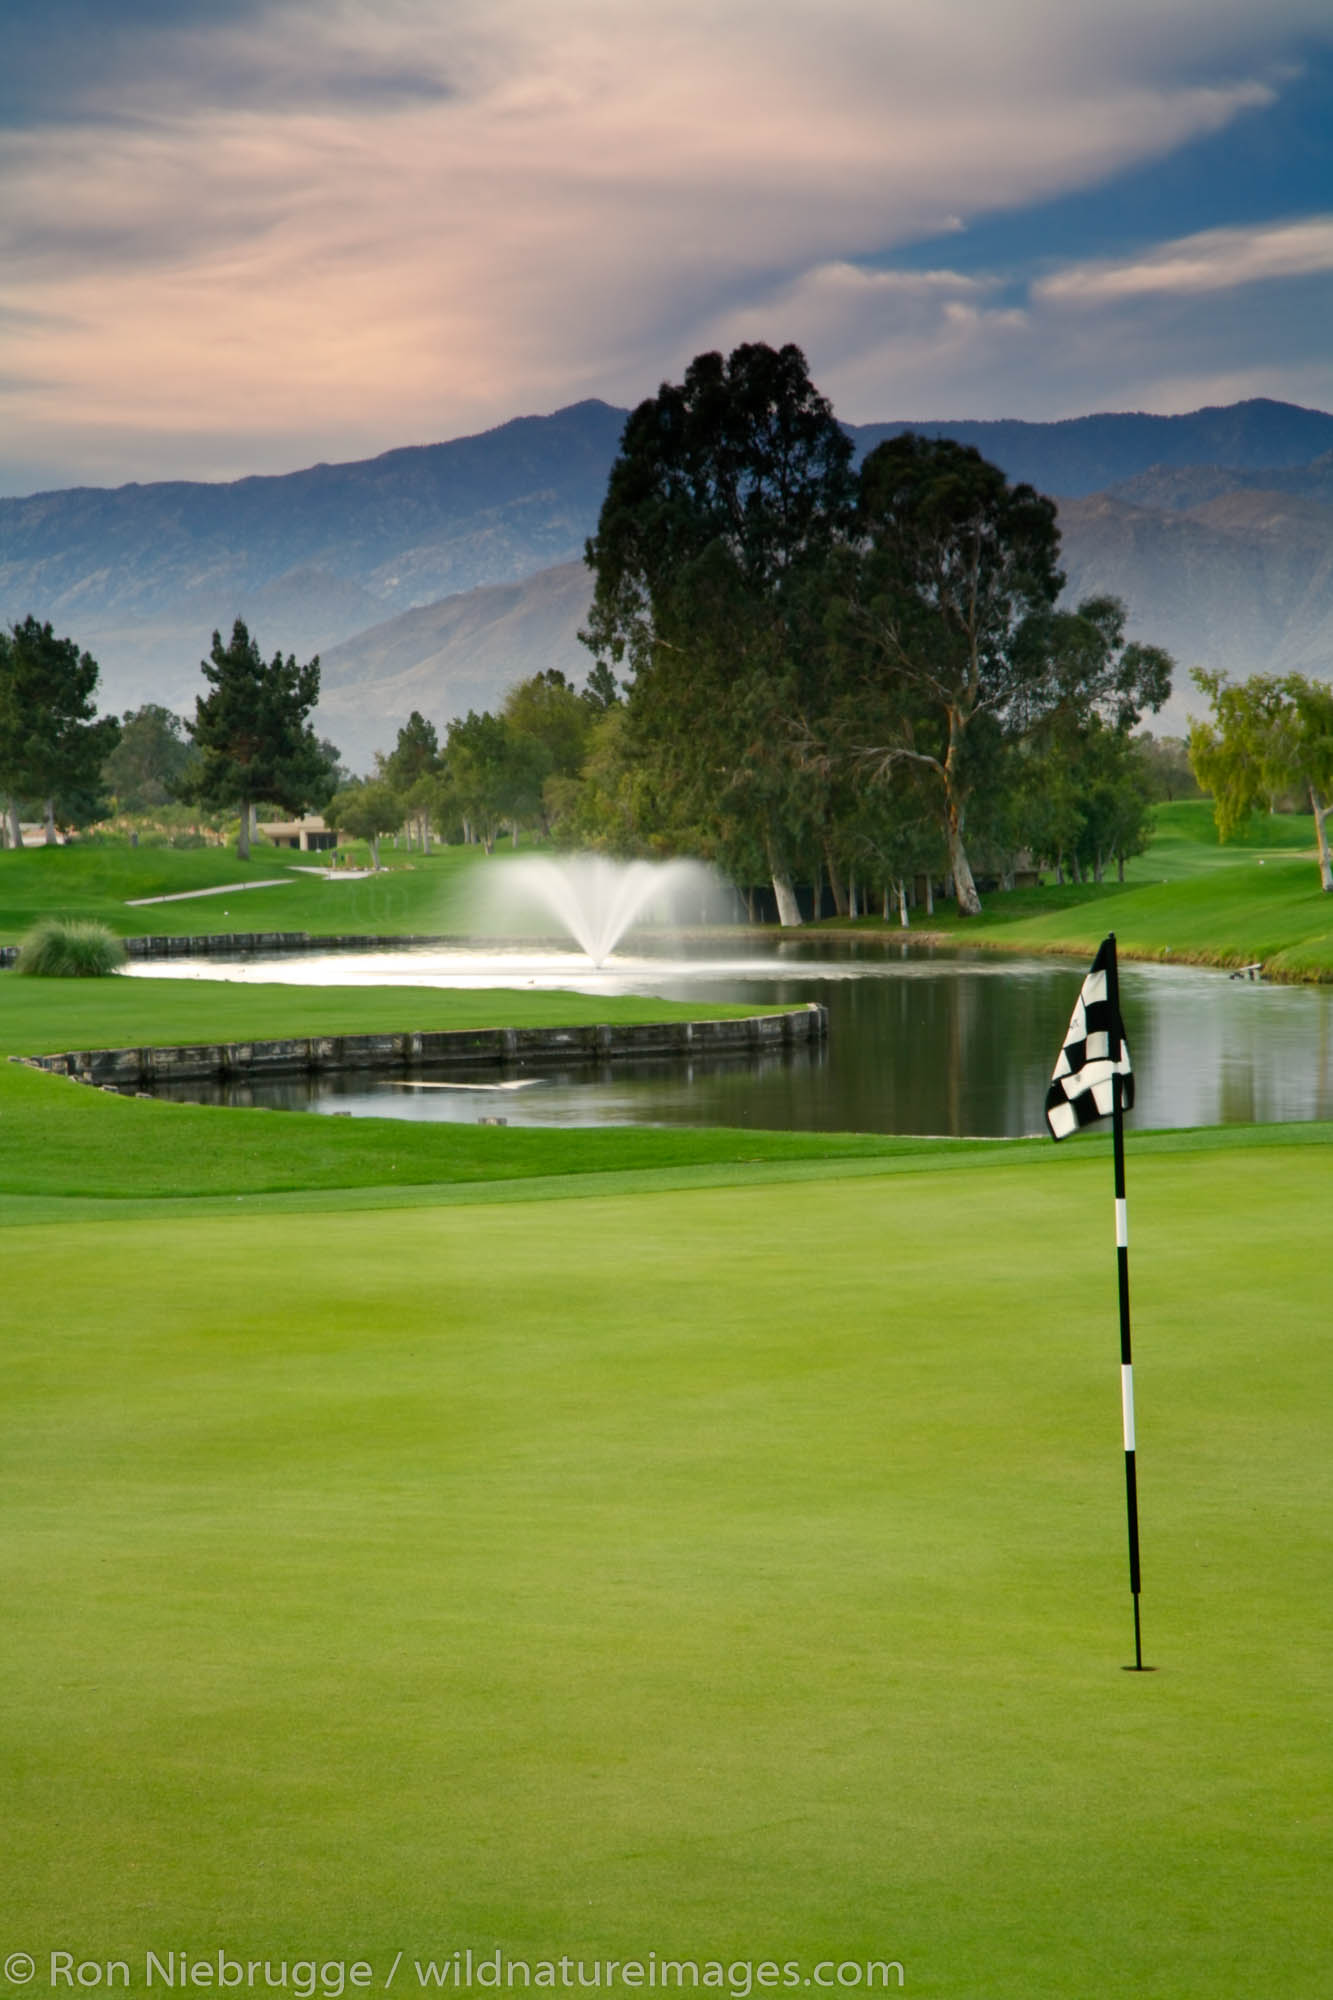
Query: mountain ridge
(321, 559)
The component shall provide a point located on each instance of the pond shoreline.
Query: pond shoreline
(1076, 948)
(303, 943)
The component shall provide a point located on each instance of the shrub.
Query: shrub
(57, 950)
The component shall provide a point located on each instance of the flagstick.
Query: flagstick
(1122, 1275)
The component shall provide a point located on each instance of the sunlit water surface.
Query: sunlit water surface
(920, 1041)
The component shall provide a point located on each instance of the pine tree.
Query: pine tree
(253, 736)
(52, 745)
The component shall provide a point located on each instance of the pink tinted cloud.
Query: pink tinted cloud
(591, 193)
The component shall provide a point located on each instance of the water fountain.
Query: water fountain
(596, 900)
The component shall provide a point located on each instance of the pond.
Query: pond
(920, 1041)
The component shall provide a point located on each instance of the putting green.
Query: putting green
(732, 1574)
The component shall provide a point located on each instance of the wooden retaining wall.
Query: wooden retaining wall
(140, 1069)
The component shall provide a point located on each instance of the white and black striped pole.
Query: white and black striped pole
(1122, 1282)
(1093, 1077)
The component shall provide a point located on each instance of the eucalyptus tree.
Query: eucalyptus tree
(955, 567)
(730, 491)
(413, 770)
(366, 812)
(951, 640)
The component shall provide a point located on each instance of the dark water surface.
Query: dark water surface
(920, 1041)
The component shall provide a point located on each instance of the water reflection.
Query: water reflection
(919, 1042)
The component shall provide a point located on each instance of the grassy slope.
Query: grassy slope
(731, 1576)
(421, 896)
(1188, 898)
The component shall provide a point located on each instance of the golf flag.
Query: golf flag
(1093, 1079)
(1094, 1051)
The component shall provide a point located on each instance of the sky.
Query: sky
(244, 236)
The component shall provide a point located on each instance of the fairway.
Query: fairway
(735, 1575)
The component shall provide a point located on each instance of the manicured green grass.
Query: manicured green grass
(412, 894)
(1185, 842)
(1257, 898)
(606, 1543)
(733, 1575)
(1274, 913)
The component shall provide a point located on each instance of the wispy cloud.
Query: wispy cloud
(1215, 260)
(262, 233)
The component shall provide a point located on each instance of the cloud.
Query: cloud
(365, 225)
(85, 60)
(940, 343)
(1215, 260)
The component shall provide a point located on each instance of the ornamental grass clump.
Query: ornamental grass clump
(57, 950)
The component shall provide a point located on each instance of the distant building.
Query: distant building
(309, 833)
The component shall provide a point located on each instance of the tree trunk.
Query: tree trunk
(1120, 868)
(789, 910)
(902, 902)
(12, 822)
(375, 853)
(243, 837)
(930, 894)
(886, 902)
(49, 815)
(1060, 869)
(965, 889)
(1097, 867)
(1321, 814)
(853, 909)
(835, 883)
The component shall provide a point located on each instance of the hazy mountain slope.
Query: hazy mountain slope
(1188, 486)
(518, 496)
(143, 574)
(446, 658)
(1243, 583)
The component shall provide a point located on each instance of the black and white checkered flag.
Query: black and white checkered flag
(1093, 1080)
(1094, 1051)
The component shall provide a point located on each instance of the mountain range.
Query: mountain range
(435, 576)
